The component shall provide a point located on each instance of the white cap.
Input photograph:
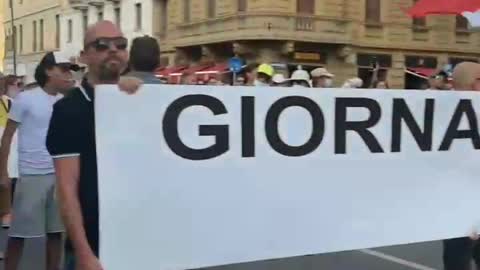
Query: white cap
(300, 75)
(278, 78)
(321, 72)
(353, 83)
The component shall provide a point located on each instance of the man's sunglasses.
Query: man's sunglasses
(104, 44)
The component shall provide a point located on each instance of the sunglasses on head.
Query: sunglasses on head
(104, 44)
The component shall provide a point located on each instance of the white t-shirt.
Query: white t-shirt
(32, 109)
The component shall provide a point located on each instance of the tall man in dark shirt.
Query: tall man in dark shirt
(71, 142)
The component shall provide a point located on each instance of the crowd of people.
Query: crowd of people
(55, 182)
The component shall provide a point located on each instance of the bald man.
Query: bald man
(71, 142)
(459, 252)
(466, 76)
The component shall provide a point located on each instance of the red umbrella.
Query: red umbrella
(429, 7)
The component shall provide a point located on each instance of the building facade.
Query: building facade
(51, 25)
(135, 18)
(36, 30)
(348, 37)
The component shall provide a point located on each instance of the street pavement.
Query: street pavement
(423, 256)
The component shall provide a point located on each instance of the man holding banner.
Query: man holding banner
(458, 252)
(71, 142)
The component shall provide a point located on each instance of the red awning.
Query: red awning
(212, 71)
(166, 71)
(422, 72)
(429, 7)
(193, 70)
(218, 68)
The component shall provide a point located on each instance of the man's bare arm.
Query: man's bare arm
(68, 175)
(6, 141)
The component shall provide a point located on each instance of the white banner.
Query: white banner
(194, 176)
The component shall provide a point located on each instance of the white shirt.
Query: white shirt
(32, 109)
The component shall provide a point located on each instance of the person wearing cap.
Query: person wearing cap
(353, 83)
(459, 252)
(279, 80)
(439, 81)
(321, 78)
(10, 89)
(264, 75)
(35, 210)
(300, 78)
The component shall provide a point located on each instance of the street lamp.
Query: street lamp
(14, 39)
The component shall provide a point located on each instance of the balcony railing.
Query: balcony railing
(305, 24)
(79, 4)
(96, 3)
(265, 25)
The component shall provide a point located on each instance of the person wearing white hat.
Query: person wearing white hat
(353, 83)
(300, 78)
(280, 81)
(321, 78)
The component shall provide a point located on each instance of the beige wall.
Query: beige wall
(25, 13)
(334, 21)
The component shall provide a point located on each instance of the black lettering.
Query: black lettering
(248, 126)
(361, 127)
(402, 112)
(170, 128)
(271, 126)
(464, 107)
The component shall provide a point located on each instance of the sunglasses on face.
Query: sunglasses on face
(104, 44)
(65, 67)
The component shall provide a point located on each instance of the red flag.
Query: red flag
(428, 7)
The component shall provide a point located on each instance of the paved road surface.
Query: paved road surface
(424, 256)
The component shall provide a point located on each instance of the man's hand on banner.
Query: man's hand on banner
(129, 85)
(474, 234)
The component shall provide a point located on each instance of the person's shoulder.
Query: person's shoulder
(32, 93)
(71, 101)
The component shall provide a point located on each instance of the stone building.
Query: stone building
(346, 36)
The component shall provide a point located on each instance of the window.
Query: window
(419, 22)
(117, 16)
(372, 11)
(242, 5)
(461, 23)
(20, 37)
(455, 61)
(14, 38)
(163, 18)
(41, 36)
(366, 62)
(85, 20)
(8, 41)
(211, 8)
(306, 6)
(138, 16)
(413, 61)
(186, 11)
(100, 15)
(34, 40)
(70, 31)
(57, 31)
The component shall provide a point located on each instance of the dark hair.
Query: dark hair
(144, 54)
(41, 74)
